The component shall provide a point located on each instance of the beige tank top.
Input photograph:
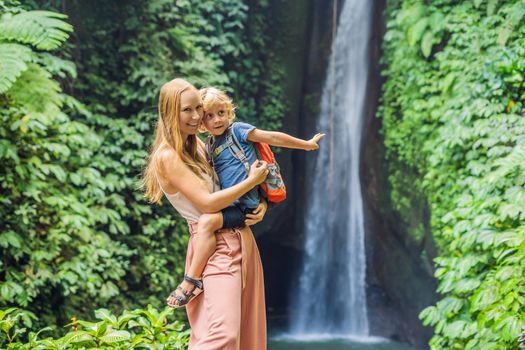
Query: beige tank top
(183, 205)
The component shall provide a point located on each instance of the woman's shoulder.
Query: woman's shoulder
(166, 157)
(168, 162)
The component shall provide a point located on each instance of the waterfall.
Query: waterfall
(330, 298)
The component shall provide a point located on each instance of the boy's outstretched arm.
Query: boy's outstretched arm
(280, 139)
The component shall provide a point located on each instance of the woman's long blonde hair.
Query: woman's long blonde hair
(167, 129)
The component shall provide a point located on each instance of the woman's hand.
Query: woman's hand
(258, 172)
(258, 214)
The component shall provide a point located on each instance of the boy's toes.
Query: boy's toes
(172, 300)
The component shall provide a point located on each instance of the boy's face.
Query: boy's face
(216, 119)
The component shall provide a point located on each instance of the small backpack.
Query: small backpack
(273, 186)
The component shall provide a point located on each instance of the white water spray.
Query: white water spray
(331, 297)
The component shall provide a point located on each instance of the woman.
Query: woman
(230, 313)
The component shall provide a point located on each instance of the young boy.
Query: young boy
(219, 113)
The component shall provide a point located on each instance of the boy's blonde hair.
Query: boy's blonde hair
(211, 96)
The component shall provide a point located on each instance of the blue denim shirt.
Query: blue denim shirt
(232, 171)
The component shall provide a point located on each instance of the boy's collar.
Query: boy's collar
(216, 138)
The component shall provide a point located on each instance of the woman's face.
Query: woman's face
(190, 112)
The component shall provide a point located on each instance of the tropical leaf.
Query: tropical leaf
(491, 7)
(437, 22)
(412, 14)
(10, 238)
(34, 336)
(4, 313)
(72, 337)
(106, 315)
(36, 91)
(125, 318)
(81, 336)
(514, 17)
(114, 336)
(44, 30)
(430, 316)
(13, 62)
(416, 31)
(426, 43)
(57, 66)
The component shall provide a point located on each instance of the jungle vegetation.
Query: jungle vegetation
(78, 89)
(454, 127)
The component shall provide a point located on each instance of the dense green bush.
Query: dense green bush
(453, 116)
(137, 329)
(53, 242)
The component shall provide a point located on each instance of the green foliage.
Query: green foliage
(54, 243)
(137, 329)
(13, 61)
(76, 125)
(42, 30)
(126, 53)
(221, 43)
(454, 119)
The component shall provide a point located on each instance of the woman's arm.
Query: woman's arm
(280, 139)
(177, 177)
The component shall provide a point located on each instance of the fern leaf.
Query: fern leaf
(57, 66)
(13, 62)
(44, 30)
(36, 91)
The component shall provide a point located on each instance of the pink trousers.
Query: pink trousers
(230, 314)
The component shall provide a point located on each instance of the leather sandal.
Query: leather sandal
(187, 295)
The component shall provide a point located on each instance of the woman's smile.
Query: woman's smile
(191, 112)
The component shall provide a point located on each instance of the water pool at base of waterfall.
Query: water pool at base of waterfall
(328, 343)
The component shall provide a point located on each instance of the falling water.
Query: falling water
(331, 297)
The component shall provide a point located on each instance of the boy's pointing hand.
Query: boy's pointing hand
(313, 142)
